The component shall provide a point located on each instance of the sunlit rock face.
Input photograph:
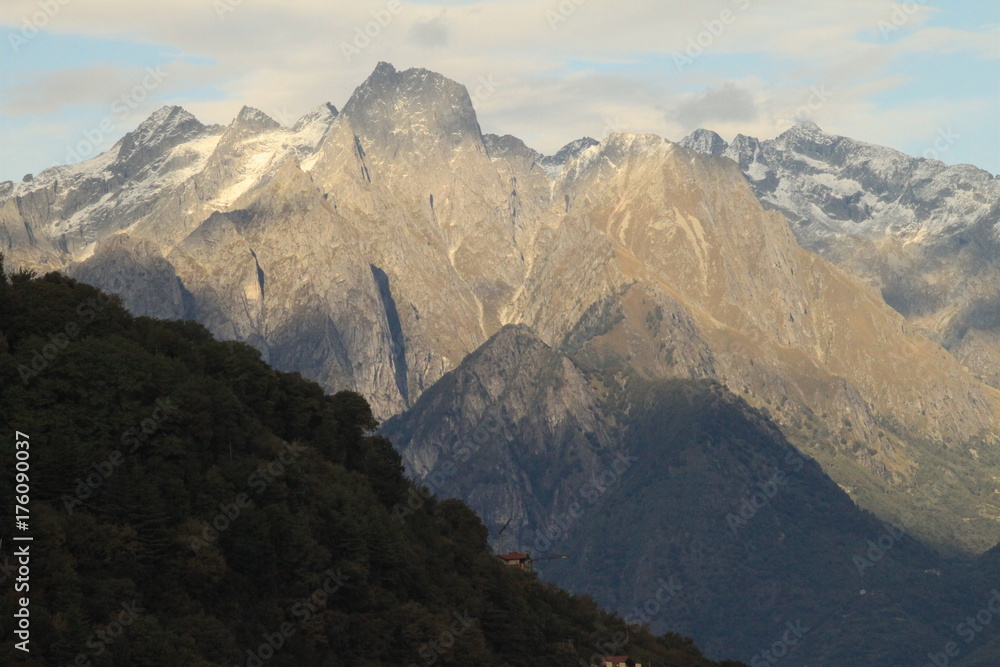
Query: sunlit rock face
(376, 248)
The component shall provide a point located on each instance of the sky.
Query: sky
(921, 77)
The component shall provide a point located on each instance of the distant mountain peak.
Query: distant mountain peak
(251, 118)
(167, 127)
(805, 129)
(163, 122)
(390, 100)
(621, 144)
(383, 68)
(508, 146)
(554, 164)
(705, 141)
(573, 148)
(324, 113)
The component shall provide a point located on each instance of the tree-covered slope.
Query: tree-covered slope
(191, 506)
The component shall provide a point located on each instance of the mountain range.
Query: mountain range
(925, 234)
(838, 300)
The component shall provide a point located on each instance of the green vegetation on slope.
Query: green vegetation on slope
(191, 506)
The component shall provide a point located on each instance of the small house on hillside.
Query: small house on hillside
(516, 559)
(619, 661)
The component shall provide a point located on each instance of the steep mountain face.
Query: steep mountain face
(395, 231)
(563, 432)
(925, 234)
(252, 525)
(376, 248)
(649, 484)
(698, 281)
(63, 211)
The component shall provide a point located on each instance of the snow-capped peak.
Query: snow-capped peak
(554, 164)
(324, 114)
(573, 148)
(163, 122)
(251, 118)
(705, 141)
(805, 129)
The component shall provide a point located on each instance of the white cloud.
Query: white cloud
(288, 56)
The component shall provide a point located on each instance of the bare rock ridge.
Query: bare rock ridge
(375, 249)
(925, 234)
(165, 129)
(510, 148)
(416, 107)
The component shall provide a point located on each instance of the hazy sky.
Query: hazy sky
(923, 77)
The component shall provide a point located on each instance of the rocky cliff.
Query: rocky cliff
(376, 248)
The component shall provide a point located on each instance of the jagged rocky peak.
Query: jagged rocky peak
(167, 127)
(617, 153)
(324, 114)
(508, 146)
(514, 335)
(705, 141)
(554, 164)
(253, 119)
(417, 101)
(164, 123)
(745, 151)
(572, 149)
(617, 147)
(805, 128)
(249, 123)
(744, 144)
(805, 132)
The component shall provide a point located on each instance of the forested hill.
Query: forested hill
(191, 506)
